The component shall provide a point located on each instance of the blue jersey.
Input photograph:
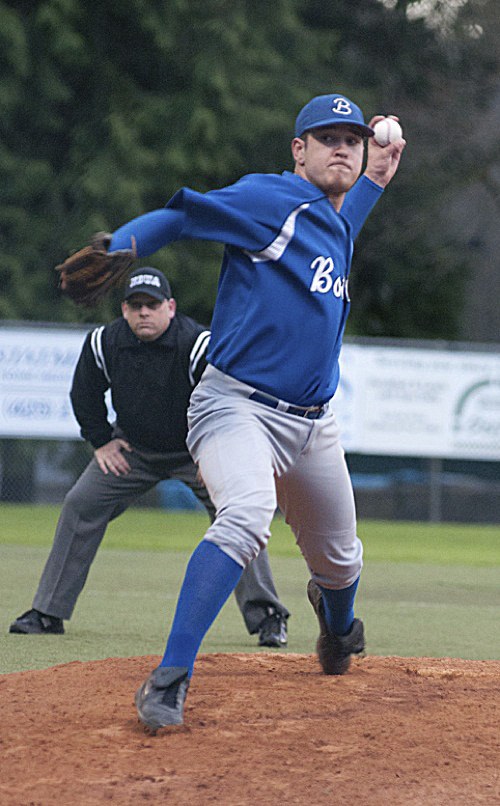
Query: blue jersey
(283, 296)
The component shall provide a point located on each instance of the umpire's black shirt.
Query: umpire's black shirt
(151, 383)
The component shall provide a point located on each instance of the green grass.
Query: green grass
(426, 590)
(157, 530)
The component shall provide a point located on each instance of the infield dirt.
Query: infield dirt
(259, 729)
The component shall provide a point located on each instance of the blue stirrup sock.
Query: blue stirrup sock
(339, 608)
(210, 578)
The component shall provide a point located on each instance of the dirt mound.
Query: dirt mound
(260, 729)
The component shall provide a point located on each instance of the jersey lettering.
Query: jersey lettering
(323, 282)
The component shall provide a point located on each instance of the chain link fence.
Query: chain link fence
(388, 488)
(42, 472)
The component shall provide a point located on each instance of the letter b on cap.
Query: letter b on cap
(341, 106)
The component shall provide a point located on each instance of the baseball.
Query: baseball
(387, 131)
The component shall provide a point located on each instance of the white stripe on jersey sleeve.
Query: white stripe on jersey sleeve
(275, 250)
(199, 349)
(96, 345)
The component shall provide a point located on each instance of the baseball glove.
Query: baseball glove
(87, 276)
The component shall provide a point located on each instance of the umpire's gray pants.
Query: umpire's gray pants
(96, 499)
(252, 457)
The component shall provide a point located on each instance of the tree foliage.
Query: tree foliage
(409, 273)
(107, 109)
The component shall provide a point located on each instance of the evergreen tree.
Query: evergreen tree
(115, 106)
(107, 109)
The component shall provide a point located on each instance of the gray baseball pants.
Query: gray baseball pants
(253, 457)
(97, 498)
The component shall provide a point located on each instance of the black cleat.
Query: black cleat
(273, 631)
(35, 623)
(160, 700)
(334, 651)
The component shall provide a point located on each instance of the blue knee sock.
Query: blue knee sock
(210, 578)
(339, 608)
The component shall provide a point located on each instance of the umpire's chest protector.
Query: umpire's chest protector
(150, 385)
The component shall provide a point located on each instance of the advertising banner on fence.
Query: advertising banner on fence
(36, 368)
(392, 400)
(420, 402)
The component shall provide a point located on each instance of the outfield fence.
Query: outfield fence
(420, 424)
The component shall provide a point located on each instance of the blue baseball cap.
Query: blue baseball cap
(329, 110)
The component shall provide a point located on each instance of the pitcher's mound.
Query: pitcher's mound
(261, 728)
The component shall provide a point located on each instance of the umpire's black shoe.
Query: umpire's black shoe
(160, 700)
(273, 631)
(35, 623)
(334, 651)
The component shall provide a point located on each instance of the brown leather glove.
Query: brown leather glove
(87, 276)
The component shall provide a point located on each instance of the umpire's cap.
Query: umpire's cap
(328, 110)
(148, 281)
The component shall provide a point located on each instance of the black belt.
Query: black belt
(311, 413)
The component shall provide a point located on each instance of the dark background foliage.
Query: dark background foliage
(107, 109)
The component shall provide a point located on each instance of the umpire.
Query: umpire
(150, 358)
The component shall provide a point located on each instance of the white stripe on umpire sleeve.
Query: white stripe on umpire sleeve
(275, 250)
(199, 348)
(96, 345)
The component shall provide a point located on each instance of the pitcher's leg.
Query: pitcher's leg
(255, 593)
(317, 500)
(236, 466)
(210, 577)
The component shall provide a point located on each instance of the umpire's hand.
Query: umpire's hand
(110, 457)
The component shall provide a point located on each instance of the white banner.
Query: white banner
(36, 368)
(397, 401)
(415, 402)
